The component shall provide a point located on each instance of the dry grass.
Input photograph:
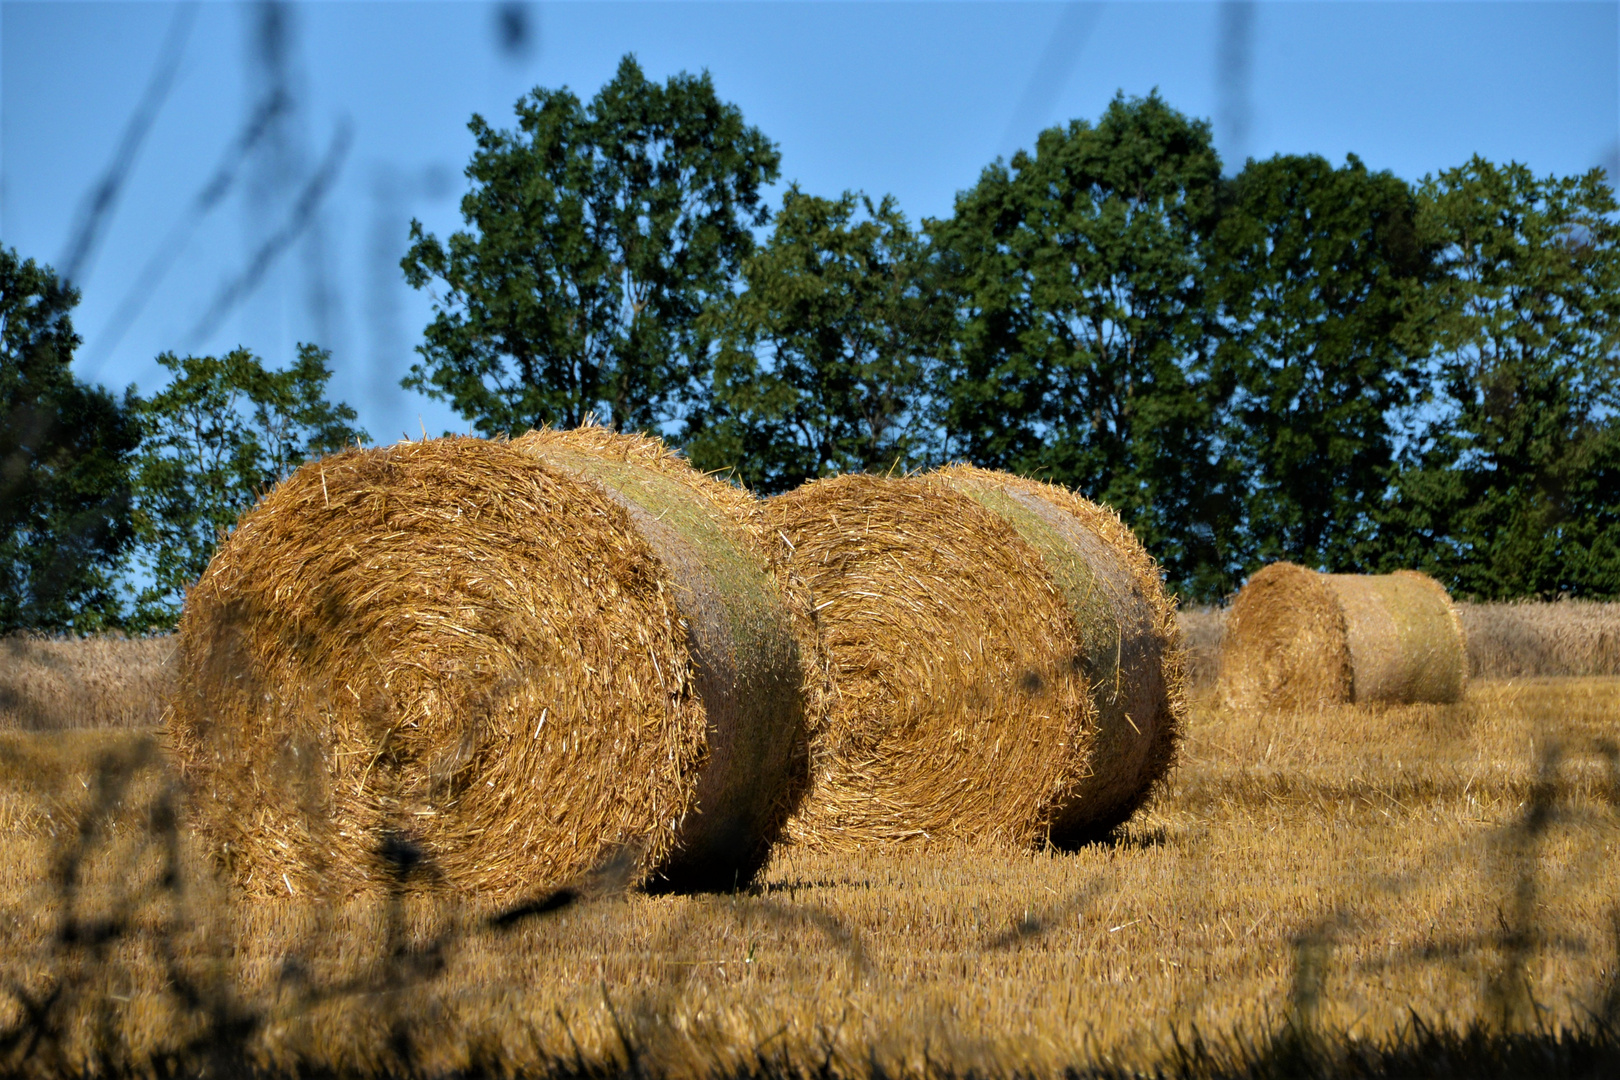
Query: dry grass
(97, 682)
(1347, 868)
(1571, 637)
(1202, 629)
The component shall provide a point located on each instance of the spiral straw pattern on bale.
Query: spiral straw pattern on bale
(1297, 639)
(1003, 655)
(527, 659)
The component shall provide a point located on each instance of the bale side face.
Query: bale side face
(1286, 645)
(745, 619)
(959, 711)
(1130, 653)
(1406, 642)
(448, 642)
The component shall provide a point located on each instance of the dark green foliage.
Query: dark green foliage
(1320, 278)
(822, 363)
(64, 465)
(1514, 488)
(1304, 362)
(216, 438)
(598, 234)
(1084, 347)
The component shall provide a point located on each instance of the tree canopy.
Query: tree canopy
(1084, 338)
(823, 359)
(598, 232)
(1306, 361)
(1321, 283)
(1513, 485)
(64, 465)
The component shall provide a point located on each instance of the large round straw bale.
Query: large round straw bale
(1131, 643)
(527, 659)
(1004, 659)
(1297, 639)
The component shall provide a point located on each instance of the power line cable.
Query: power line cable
(1234, 67)
(279, 168)
(95, 212)
(517, 30)
(1052, 73)
(303, 213)
(392, 192)
(209, 196)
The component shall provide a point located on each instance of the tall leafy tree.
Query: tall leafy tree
(221, 433)
(1321, 278)
(1084, 337)
(597, 234)
(64, 465)
(822, 361)
(1514, 488)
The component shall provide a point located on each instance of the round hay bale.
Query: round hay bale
(495, 665)
(1131, 643)
(991, 640)
(1297, 639)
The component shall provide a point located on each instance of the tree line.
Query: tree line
(111, 505)
(1306, 361)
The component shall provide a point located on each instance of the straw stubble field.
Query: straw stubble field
(1347, 869)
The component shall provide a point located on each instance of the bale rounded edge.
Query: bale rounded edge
(751, 638)
(1406, 640)
(958, 709)
(1130, 643)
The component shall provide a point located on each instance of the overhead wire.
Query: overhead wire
(96, 210)
(1234, 69)
(1051, 74)
(298, 220)
(208, 197)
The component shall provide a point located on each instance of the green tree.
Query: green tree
(1321, 280)
(1084, 338)
(217, 437)
(64, 465)
(598, 234)
(822, 362)
(1514, 487)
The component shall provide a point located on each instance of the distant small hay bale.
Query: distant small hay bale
(1286, 645)
(1006, 663)
(528, 658)
(1297, 639)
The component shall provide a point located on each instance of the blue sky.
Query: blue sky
(912, 99)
